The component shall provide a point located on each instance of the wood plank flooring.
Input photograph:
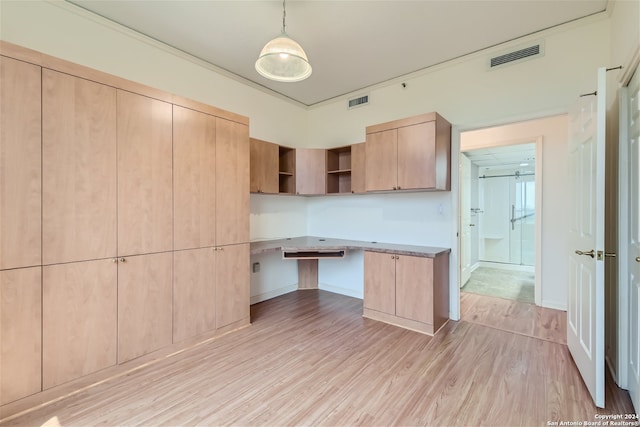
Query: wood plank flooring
(309, 358)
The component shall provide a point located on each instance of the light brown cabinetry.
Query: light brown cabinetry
(358, 168)
(264, 161)
(407, 291)
(232, 182)
(79, 319)
(20, 156)
(194, 178)
(194, 292)
(145, 220)
(311, 171)
(78, 169)
(232, 285)
(409, 154)
(20, 329)
(144, 304)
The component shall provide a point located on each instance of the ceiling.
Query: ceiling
(350, 44)
(512, 156)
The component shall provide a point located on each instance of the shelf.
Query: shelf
(286, 167)
(285, 173)
(339, 170)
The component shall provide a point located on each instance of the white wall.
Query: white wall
(65, 31)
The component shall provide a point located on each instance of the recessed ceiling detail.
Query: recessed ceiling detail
(353, 44)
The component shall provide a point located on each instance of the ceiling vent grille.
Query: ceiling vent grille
(519, 55)
(358, 102)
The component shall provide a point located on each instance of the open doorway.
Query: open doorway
(498, 204)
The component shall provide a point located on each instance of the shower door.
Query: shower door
(507, 222)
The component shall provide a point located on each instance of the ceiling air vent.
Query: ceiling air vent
(519, 55)
(358, 102)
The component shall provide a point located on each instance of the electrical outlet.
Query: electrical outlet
(256, 267)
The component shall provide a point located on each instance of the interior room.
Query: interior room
(267, 213)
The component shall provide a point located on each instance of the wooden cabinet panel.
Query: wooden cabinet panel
(380, 282)
(78, 168)
(20, 157)
(21, 332)
(145, 220)
(194, 293)
(414, 288)
(311, 171)
(264, 167)
(417, 156)
(232, 182)
(382, 160)
(79, 320)
(358, 168)
(194, 178)
(232, 284)
(144, 304)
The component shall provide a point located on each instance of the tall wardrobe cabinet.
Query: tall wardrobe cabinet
(124, 223)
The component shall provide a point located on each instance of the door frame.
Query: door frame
(538, 140)
(624, 290)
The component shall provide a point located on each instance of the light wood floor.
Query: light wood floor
(311, 359)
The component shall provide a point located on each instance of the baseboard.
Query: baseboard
(475, 266)
(272, 294)
(554, 305)
(341, 291)
(506, 266)
(611, 370)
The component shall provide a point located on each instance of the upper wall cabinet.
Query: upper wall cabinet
(311, 171)
(145, 220)
(78, 169)
(409, 154)
(264, 167)
(194, 178)
(20, 156)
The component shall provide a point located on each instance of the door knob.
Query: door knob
(590, 253)
(638, 259)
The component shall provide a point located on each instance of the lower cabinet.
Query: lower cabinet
(144, 304)
(79, 319)
(407, 291)
(232, 285)
(20, 329)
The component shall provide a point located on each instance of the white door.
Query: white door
(633, 141)
(465, 219)
(585, 308)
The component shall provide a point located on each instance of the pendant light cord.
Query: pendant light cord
(284, 16)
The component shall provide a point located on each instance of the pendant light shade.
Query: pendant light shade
(283, 59)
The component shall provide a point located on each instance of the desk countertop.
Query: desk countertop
(313, 243)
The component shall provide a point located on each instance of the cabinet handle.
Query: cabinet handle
(399, 188)
(393, 257)
(114, 260)
(123, 260)
(394, 188)
(397, 257)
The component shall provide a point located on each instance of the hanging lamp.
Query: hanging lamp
(283, 59)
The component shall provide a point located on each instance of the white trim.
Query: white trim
(554, 305)
(454, 263)
(506, 266)
(539, 186)
(341, 291)
(272, 294)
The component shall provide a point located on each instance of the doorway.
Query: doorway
(498, 204)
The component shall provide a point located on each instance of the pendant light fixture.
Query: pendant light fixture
(283, 59)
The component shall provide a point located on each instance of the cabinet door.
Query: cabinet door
(232, 182)
(21, 333)
(380, 282)
(382, 160)
(145, 220)
(194, 293)
(78, 169)
(79, 320)
(311, 171)
(264, 167)
(417, 156)
(144, 304)
(414, 288)
(194, 178)
(20, 174)
(358, 168)
(232, 284)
